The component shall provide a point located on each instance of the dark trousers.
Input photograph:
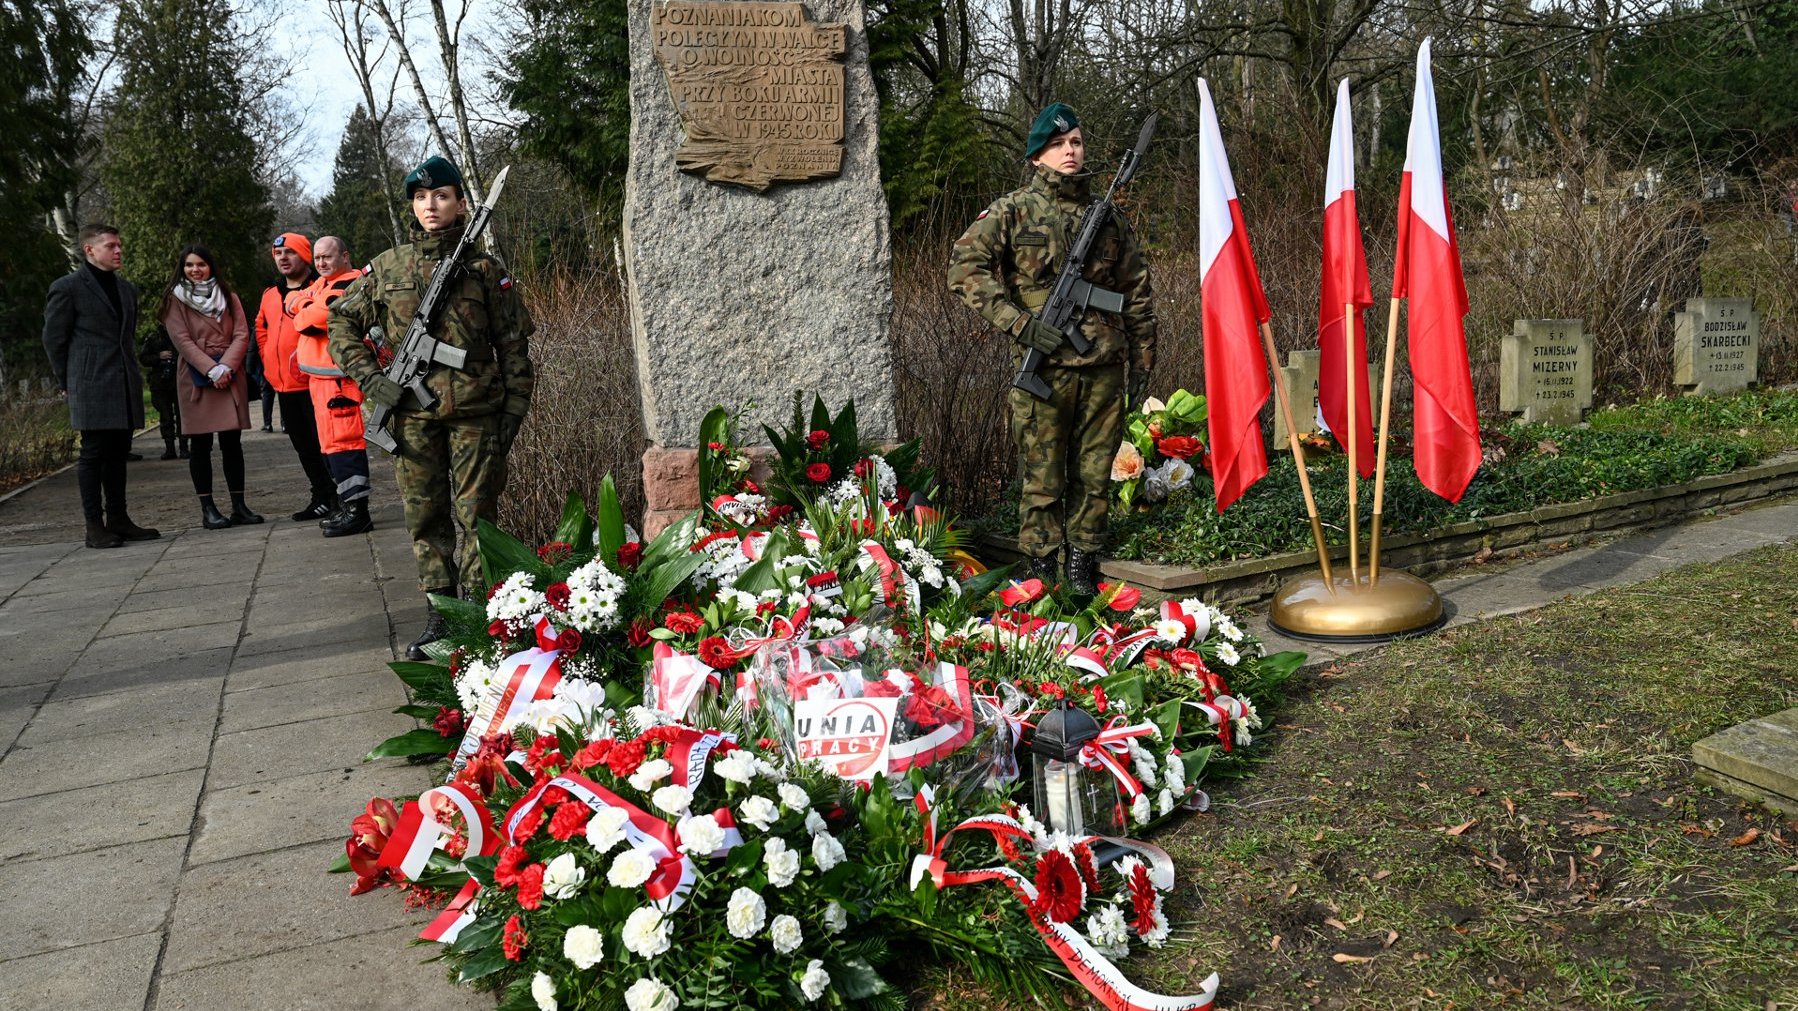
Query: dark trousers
(199, 461)
(100, 472)
(350, 470)
(168, 412)
(267, 393)
(302, 431)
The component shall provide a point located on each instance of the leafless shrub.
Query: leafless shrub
(34, 438)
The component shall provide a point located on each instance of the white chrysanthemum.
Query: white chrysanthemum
(781, 861)
(745, 914)
(1156, 936)
(786, 934)
(516, 600)
(759, 811)
(793, 798)
(672, 799)
(584, 946)
(836, 920)
(563, 877)
(826, 851)
(648, 994)
(843, 492)
(886, 481)
(1144, 764)
(650, 773)
(1037, 829)
(1108, 931)
(646, 932)
(815, 981)
(475, 682)
(606, 829)
(1249, 714)
(630, 868)
(1227, 653)
(543, 991)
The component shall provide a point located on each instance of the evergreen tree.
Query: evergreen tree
(179, 159)
(356, 209)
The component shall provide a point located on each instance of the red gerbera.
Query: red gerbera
(1060, 894)
(555, 552)
(715, 653)
(557, 595)
(530, 886)
(683, 622)
(1178, 446)
(516, 940)
(817, 440)
(570, 820)
(818, 472)
(630, 553)
(1144, 899)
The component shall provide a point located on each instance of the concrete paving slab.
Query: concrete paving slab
(17, 706)
(380, 965)
(359, 628)
(1776, 523)
(67, 901)
(95, 600)
(218, 631)
(123, 675)
(333, 742)
(111, 975)
(275, 614)
(174, 616)
(235, 585)
(227, 911)
(306, 664)
(156, 807)
(277, 813)
(58, 766)
(309, 700)
(174, 702)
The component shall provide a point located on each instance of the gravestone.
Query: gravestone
(1545, 371)
(1301, 371)
(1716, 345)
(1757, 760)
(757, 249)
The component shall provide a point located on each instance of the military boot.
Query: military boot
(100, 537)
(1043, 567)
(434, 627)
(354, 519)
(1083, 572)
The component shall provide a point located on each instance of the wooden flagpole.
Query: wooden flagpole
(1298, 452)
(1354, 497)
(1379, 480)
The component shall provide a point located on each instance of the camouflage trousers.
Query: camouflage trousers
(1065, 448)
(450, 475)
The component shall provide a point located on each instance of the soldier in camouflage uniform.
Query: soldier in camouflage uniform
(451, 462)
(1003, 267)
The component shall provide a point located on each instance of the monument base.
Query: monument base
(1757, 760)
(1349, 610)
(671, 482)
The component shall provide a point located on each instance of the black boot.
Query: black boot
(210, 517)
(100, 537)
(1043, 567)
(434, 627)
(120, 523)
(1083, 572)
(168, 449)
(181, 449)
(317, 509)
(354, 519)
(241, 513)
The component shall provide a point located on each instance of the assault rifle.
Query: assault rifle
(1073, 294)
(418, 350)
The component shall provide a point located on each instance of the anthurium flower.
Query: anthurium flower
(1120, 597)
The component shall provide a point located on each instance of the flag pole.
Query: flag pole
(1354, 498)
(1379, 479)
(1298, 452)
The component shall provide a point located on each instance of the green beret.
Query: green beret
(436, 171)
(1050, 123)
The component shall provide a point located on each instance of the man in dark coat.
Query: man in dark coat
(90, 320)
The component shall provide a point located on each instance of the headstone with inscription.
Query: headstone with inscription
(1545, 370)
(1716, 345)
(1301, 371)
(756, 238)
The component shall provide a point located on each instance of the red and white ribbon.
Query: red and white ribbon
(1111, 751)
(690, 749)
(1219, 712)
(419, 834)
(673, 877)
(676, 679)
(1083, 658)
(824, 585)
(529, 676)
(1121, 648)
(1198, 625)
(947, 737)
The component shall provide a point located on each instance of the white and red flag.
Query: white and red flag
(1236, 383)
(1428, 272)
(1344, 283)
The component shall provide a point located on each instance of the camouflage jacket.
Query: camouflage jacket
(482, 313)
(1005, 263)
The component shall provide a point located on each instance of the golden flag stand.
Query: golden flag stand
(1363, 604)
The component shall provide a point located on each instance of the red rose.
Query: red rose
(449, 721)
(511, 860)
(864, 467)
(715, 653)
(516, 940)
(499, 630)
(555, 551)
(638, 634)
(683, 622)
(570, 820)
(1060, 894)
(1178, 446)
(592, 754)
(817, 440)
(883, 689)
(818, 472)
(557, 595)
(568, 640)
(630, 553)
(1124, 599)
(778, 513)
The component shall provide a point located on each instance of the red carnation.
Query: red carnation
(528, 824)
(592, 754)
(530, 886)
(1099, 700)
(568, 640)
(557, 595)
(544, 755)
(817, 440)
(570, 820)
(638, 634)
(683, 622)
(624, 758)
(883, 689)
(818, 472)
(630, 554)
(555, 552)
(511, 859)
(1178, 446)
(499, 630)
(716, 447)
(516, 940)
(1060, 894)
(449, 721)
(715, 653)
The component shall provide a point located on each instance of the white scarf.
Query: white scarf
(202, 296)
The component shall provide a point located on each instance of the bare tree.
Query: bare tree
(396, 32)
(449, 45)
(357, 38)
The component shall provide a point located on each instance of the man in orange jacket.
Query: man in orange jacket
(277, 342)
(336, 399)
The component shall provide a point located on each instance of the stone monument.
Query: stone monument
(1545, 371)
(1716, 345)
(1301, 371)
(757, 251)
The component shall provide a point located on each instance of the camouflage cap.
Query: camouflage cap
(1055, 119)
(436, 171)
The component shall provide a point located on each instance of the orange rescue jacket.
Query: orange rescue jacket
(277, 341)
(309, 309)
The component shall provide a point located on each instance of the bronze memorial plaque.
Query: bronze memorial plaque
(759, 89)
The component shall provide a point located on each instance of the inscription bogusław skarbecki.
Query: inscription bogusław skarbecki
(759, 90)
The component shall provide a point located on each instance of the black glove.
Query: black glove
(1041, 336)
(1135, 385)
(381, 390)
(509, 426)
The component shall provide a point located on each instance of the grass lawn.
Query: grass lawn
(1503, 816)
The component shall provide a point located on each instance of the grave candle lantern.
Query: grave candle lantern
(1070, 797)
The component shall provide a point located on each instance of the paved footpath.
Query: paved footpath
(182, 723)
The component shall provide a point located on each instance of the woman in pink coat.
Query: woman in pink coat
(206, 322)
